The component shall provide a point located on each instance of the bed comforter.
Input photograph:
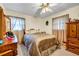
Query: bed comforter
(41, 44)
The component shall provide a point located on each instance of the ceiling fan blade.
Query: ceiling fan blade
(52, 4)
(38, 12)
(37, 5)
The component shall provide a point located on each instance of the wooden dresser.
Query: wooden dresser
(8, 48)
(73, 37)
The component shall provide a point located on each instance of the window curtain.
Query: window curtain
(17, 24)
(17, 27)
(59, 28)
(60, 23)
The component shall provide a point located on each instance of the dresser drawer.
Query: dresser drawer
(73, 41)
(73, 49)
(8, 47)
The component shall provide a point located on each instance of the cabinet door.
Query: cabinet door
(78, 30)
(73, 30)
(2, 24)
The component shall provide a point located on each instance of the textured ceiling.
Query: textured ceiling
(33, 8)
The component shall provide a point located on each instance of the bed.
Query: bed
(41, 44)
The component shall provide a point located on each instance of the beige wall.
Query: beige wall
(73, 13)
(33, 22)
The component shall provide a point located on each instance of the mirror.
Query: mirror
(7, 23)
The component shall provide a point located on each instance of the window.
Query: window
(17, 23)
(60, 23)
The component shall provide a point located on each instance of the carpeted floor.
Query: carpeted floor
(22, 51)
(62, 52)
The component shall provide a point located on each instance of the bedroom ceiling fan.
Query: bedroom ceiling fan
(44, 7)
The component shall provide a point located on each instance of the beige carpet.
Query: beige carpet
(22, 51)
(62, 52)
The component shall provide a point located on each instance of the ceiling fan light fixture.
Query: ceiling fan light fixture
(43, 11)
(46, 9)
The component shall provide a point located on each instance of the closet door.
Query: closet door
(73, 30)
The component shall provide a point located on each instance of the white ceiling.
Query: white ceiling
(33, 8)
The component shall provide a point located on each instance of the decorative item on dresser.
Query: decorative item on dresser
(72, 43)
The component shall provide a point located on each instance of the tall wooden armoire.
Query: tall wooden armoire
(2, 24)
(73, 37)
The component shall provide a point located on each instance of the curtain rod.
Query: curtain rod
(14, 16)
